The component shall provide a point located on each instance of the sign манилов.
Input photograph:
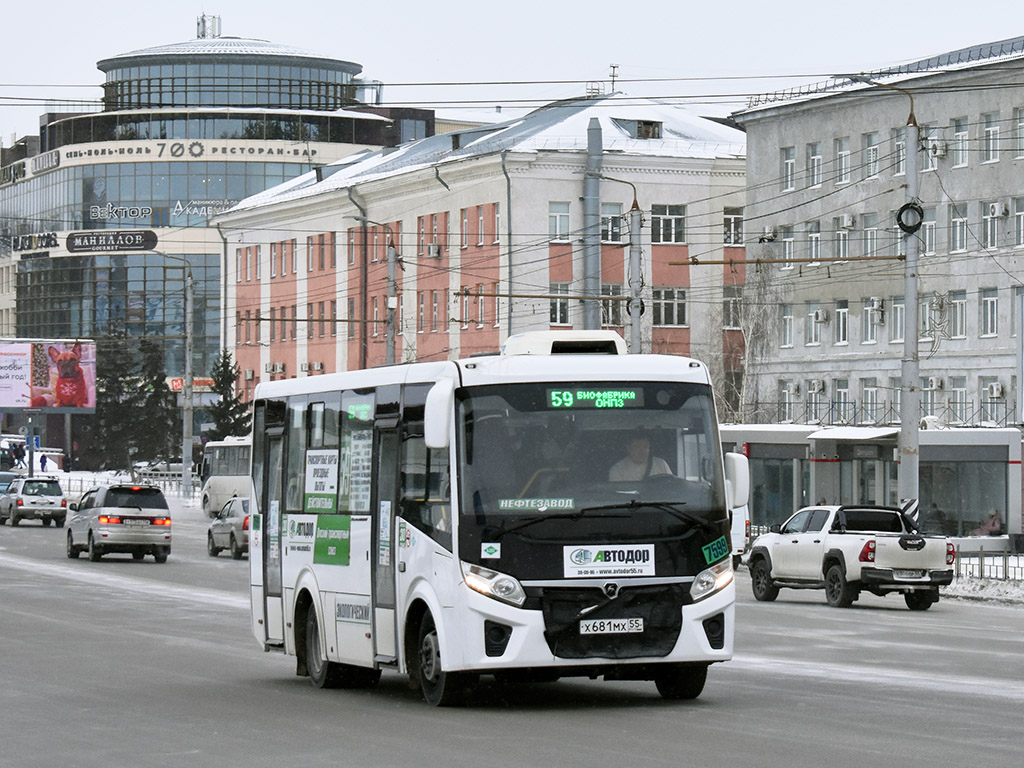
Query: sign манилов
(112, 240)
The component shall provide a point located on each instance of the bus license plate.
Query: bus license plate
(610, 626)
(908, 574)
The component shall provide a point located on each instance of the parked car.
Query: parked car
(120, 518)
(230, 529)
(6, 478)
(34, 498)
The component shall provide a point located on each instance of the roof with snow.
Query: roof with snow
(221, 47)
(963, 58)
(557, 127)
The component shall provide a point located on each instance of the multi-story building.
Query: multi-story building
(827, 173)
(101, 215)
(489, 227)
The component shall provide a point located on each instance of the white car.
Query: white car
(125, 518)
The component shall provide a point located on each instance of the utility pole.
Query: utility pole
(635, 278)
(186, 417)
(909, 220)
(592, 228)
(389, 328)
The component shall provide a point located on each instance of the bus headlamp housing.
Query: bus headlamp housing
(493, 584)
(711, 580)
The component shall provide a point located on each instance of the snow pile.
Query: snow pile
(1009, 591)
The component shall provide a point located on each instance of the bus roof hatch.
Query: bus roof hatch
(565, 342)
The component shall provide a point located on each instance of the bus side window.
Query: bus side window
(425, 490)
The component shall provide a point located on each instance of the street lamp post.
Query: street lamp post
(186, 389)
(392, 290)
(909, 220)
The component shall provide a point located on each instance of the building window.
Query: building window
(611, 222)
(669, 306)
(611, 311)
(929, 137)
(421, 314)
(668, 223)
(788, 168)
(433, 311)
(870, 155)
(990, 143)
(842, 324)
(844, 407)
(870, 222)
(497, 222)
(273, 324)
(309, 321)
(323, 319)
(786, 326)
(1020, 131)
(842, 241)
(295, 321)
(990, 224)
(559, 306)
(497, 305)
(421, 236)
(960, 142)
(351, 317)
(309, 254)
(870, 316)
(273, 258)
(812, 326)
(558, 221)
(897, 319)
(928, 232)
(733, 226)
(958, 397)
(351, 247)
(788, 248)
(284, 323)
(814, 242)
(899, 152)
(465, 228)
(870, 400)
(732, 305)
(842, 147)
(465, 308)
(957, 228)
(334, 318)
(480, 306)
(958, 315)
(814, 164)
(375, 250)
(989, 312)
(1018, 221)
(479, 225)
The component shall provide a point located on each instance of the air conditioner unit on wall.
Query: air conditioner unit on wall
(250, 374)
(935, 382)
(820, 316)
(816, 386)
(303, 366)
(847, 221)
(277, 368)
(268, 368)
(768, 234)
(318, 366)
(998, 209)
(937, 148)
(994, 390)
(793, 388)
(434, 251)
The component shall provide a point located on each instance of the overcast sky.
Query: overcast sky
(401, 41)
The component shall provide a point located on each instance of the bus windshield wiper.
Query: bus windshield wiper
(573, 516)
(674, 508)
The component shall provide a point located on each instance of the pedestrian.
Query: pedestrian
(42, 462)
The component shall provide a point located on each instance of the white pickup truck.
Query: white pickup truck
(847, 549)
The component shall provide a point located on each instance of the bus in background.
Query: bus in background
(224, 472)
(488, 516)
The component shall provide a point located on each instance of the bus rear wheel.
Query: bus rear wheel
(440, 688)
(681, 681)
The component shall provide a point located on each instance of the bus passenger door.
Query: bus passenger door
(274, 499)
(385, 507)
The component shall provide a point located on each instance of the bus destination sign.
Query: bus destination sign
(596, 397)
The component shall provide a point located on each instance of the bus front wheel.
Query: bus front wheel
(681, 681)
(322, 673)
(440, 688)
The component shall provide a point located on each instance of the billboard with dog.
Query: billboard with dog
(47, 376)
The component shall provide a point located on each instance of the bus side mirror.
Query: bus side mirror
(737, 480)
(437, 414)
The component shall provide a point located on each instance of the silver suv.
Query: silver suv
(34, 498)
(121, 518)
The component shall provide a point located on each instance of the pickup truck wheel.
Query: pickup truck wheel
(838, 591)
(920, 601)
(761, 581)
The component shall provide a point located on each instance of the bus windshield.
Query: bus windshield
(588, 462)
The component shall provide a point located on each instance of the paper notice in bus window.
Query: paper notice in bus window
(356, 471)
(321, 492)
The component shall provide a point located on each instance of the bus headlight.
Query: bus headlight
(493, 584)
(711, 580)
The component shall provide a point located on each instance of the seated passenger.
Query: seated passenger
(638, 463)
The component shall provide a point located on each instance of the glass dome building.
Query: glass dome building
(185, 131)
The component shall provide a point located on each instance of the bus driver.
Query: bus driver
(638, 463)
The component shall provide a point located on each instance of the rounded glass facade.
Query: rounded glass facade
(141, 294)
(222, 84)
(104, 196)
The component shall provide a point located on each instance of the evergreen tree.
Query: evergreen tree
(110, 434)
(158, 426)
(230, 414)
